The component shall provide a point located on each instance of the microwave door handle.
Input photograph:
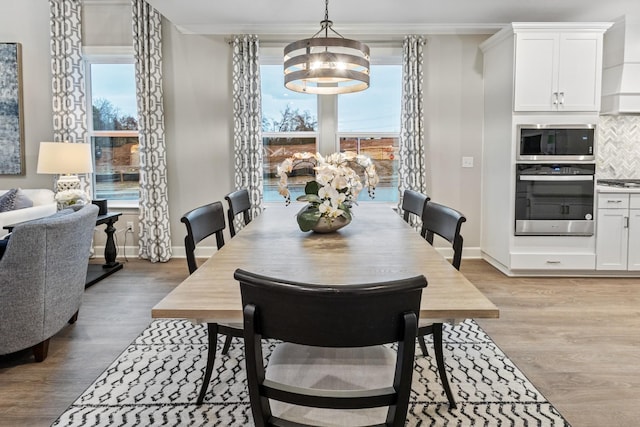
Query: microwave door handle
(556, 177)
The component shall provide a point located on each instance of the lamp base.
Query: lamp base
(68, 182)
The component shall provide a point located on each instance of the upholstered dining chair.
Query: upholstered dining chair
(201, 223)
(239, 203)
(321, 370)
(413, 202)
(446, 223)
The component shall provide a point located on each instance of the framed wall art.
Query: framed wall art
(11, 116)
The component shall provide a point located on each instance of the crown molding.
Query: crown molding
(380, 32)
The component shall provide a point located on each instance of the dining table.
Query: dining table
(378, 245)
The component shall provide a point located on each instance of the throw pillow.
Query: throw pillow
(7, 200)
(22, 201)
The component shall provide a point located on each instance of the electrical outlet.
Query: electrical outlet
(130, 226)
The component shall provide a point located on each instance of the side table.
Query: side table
(97, 272)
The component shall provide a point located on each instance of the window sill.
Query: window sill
(123, 204)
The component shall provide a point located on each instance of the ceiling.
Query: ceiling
(380, 17)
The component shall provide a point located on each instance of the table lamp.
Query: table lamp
(66, 160)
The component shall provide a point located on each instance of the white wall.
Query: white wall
(197, 98)
(454, 119)
(198, 125)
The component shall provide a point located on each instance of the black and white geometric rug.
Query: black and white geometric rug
(156, 381)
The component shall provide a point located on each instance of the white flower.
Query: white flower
(338, 183)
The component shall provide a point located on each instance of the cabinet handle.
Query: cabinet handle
(553, 262)
(614, 201)
(626, 222)
(562, 98)
(555, 98)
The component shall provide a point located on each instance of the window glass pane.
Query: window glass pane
(383, 152)
(113, 97)
(376, 109)
(282, 109)
(117, 170)
(276, 149)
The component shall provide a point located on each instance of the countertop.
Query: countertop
(612, 189)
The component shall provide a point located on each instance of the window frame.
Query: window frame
(106, 55)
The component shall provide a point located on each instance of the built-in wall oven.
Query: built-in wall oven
(554, 199)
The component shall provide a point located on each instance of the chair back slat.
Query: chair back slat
(446, 223)
(413, 202)
(201, 223)
(321, 312)
(239, 203)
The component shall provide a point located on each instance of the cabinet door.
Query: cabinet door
(634, 240)
(579, 72)
(536, 71)
(611, 239)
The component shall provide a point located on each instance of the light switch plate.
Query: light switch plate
(467, 162)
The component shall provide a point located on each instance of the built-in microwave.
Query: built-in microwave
(556, 143)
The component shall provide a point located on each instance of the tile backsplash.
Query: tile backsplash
(618, 150)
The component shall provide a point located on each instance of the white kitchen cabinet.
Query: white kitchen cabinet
(633, 257)
(557, 71)
(618, 232)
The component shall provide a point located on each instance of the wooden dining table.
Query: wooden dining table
(377, 246)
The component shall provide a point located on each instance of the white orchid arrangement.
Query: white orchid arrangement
(335, 188)
(71, 197)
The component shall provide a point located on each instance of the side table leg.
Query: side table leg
(110, 247)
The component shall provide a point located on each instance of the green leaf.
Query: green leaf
(308, 217)
(312, 198)
(312, 187)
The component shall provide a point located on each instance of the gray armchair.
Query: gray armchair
(42, 277)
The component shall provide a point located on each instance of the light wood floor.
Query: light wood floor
(577, 340)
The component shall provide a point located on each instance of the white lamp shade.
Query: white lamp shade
(64, 158)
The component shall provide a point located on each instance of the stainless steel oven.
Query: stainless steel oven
(554, 199)
(556, 143)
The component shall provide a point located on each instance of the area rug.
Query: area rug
(156, 381)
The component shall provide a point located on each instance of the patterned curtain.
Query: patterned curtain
(411, 171)
(247, 120)
(69, 102)
(155, 238)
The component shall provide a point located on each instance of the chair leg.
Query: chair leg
(74, 318)
(212, 329)
(41, 350)
(227, 344)
(423, 345)
(437, 344)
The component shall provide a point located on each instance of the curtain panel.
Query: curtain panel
(154, 238)
(411, 172)
(247, 120)
(67, 83)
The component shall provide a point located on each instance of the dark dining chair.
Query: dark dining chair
(446, 223)
(239, 203)
(330, 359)
(201, 223)
(413, 203)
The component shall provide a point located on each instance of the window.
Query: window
(289, 125)
(113, 126)
(367, 122)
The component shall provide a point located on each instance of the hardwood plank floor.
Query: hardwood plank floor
(577, 340)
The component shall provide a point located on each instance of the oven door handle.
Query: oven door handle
(556, 177)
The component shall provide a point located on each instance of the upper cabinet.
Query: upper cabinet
(554, 67)
(558, 71)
